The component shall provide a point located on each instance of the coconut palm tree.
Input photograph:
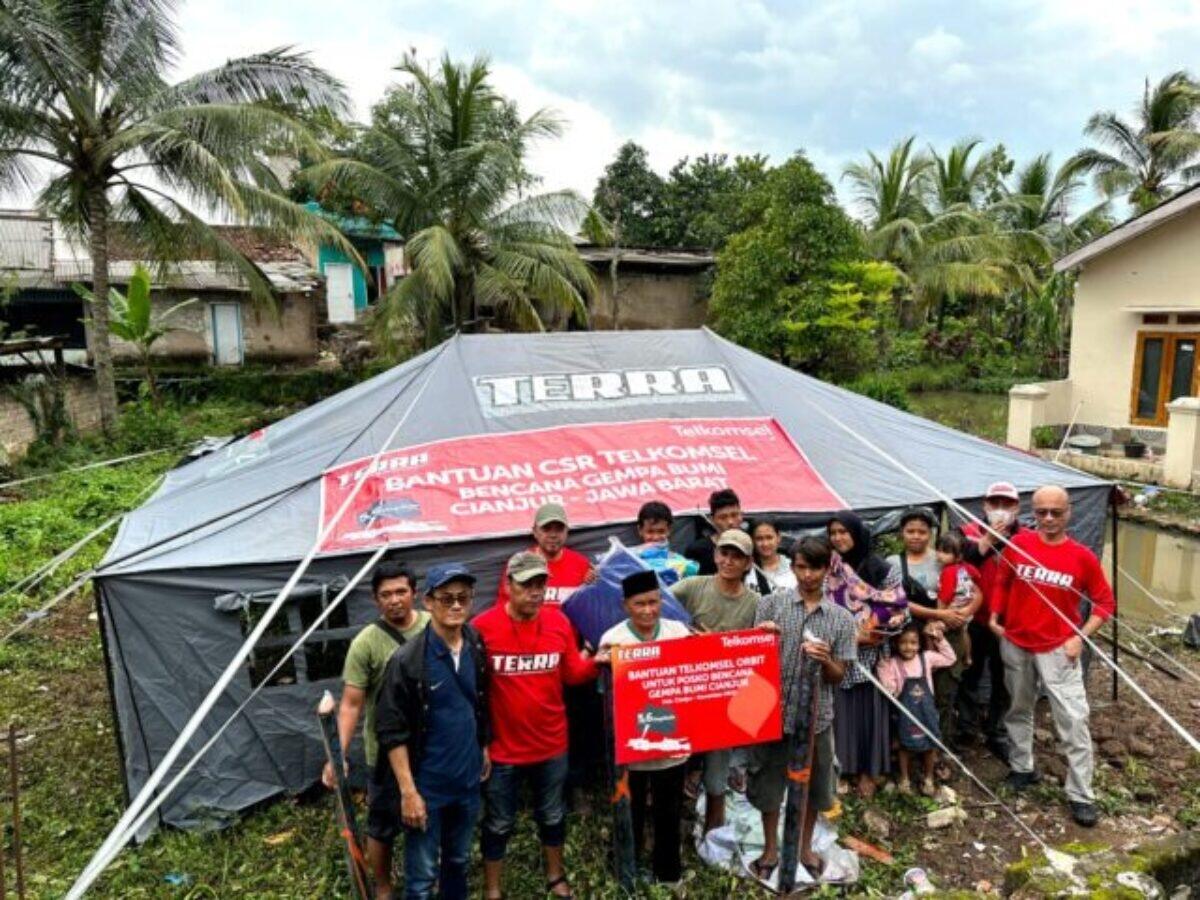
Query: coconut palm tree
(1041, 199)
(890, 189)
(86, 110)
(444, 163)
(963, 252)
(1152, 156)
(956, 179)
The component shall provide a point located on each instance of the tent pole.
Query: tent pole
(1112, 505)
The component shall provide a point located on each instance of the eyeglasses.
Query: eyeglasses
(1048, 512)
(451, 600)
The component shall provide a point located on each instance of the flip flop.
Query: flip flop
(763, 870)
(555, 882)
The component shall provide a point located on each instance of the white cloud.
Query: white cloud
(937, 47)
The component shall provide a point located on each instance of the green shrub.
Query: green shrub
(1046, 437)
(142, 427)
(884, 387)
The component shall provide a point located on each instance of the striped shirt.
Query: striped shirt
(827, 622)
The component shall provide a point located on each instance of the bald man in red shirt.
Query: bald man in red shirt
(1043, 576)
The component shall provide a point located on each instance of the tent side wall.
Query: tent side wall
(166, 645)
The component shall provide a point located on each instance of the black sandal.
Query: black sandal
(763, 870)
(555, 882)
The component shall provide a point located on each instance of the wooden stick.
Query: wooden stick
(624, 852)
(14, 781)
(344, 803)
(799, 781)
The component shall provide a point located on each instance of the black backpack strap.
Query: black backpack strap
(913, 589)
(390, 630)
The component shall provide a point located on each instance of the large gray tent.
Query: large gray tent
(179, 588)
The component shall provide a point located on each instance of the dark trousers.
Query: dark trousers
(664, 788)
(502, 799)
(947, 683)
(985, 657)
(585, 732)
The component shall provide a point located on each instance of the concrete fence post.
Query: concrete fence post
(1026, 411)
(1182, 458)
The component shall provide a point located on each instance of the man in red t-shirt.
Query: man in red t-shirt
(1035, 611)
(532, 653)
(569, 570)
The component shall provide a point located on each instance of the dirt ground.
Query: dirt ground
(1147, 783)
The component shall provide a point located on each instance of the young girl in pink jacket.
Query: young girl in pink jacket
(908, 675)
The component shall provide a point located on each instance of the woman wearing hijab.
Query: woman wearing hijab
(862, 716)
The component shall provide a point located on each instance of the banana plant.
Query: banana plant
(131, 319)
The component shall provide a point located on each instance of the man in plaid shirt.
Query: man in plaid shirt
(815, 635)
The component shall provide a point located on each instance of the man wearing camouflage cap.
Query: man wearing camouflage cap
(532, 653)
(567, 569)
(720, 602)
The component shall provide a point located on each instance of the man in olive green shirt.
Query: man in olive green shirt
(720, 602)
(394, 590)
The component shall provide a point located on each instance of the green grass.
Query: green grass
(983, 415)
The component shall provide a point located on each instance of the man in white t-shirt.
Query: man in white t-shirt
(662, 778)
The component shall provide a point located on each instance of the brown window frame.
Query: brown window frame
(1170, 340)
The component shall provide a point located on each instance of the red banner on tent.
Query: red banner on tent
(602, 473)
(695, 694)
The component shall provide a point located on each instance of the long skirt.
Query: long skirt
(862, 730)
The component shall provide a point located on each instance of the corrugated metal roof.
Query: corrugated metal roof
(27, 255)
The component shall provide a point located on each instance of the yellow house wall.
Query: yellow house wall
(1160, 268)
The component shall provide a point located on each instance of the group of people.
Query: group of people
(881, 660)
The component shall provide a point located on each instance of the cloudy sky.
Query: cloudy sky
(834, 77)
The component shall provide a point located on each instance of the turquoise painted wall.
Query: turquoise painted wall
(371, 251)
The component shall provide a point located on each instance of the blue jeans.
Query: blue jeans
(502, 797)
(447, 835)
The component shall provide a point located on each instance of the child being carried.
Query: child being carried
(958, 583)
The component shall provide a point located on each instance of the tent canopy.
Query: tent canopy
(182, 581)
(261, 495)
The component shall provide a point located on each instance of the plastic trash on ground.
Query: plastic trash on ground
(740, 841)
(597, 607)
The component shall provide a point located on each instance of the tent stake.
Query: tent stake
(1112, 505)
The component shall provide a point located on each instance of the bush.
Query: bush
(1046, 437)
(142, 427)
(885, 387)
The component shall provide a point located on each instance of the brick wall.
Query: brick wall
(16, 428)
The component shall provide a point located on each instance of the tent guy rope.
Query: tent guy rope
(166, 792)
(121, 833)
(951, 503)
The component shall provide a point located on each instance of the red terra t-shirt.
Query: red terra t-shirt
(566, 576)
(528, 664)
(1061, 573)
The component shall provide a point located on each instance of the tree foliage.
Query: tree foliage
(442, 161)
(85, 98)
(787, 284)
(131, 318)
(698, 205)
(1154, 155)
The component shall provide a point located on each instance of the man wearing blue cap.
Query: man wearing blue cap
(432, 724)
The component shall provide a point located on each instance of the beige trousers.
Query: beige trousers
(1062, 680)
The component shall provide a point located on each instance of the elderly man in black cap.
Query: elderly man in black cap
(662, 779)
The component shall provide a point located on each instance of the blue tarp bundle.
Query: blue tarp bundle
(597, 607)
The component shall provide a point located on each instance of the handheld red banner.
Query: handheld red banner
(602, 473)
(695, 694)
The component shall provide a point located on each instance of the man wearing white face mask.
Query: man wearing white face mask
(1001, 504)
